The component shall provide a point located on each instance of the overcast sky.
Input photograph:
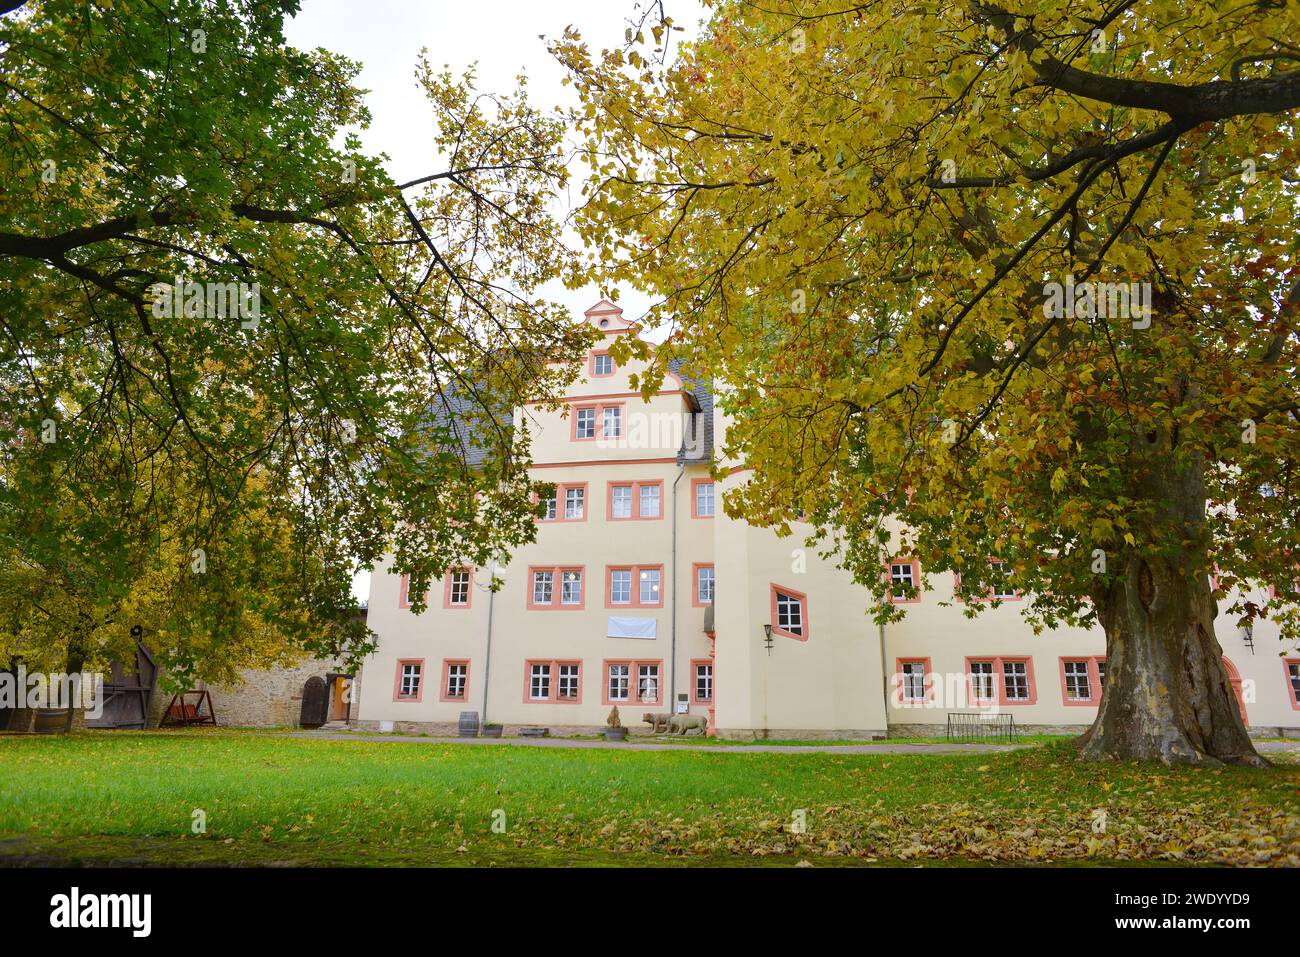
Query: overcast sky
(504, 38)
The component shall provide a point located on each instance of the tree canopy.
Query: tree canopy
(1024, 279)
(156, 154)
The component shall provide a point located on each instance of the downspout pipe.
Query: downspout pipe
(487, 652)
(672, 679)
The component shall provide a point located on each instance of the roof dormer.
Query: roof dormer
(608, 319)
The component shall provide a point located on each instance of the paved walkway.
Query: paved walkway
(646, 743)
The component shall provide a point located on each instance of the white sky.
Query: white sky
(504, 37)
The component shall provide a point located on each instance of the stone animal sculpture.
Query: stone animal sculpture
(659, 722)
(681, 723)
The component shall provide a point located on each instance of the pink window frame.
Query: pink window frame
(999, 684)
(397, 681)
(446, 679)
(599, 431)
(1094, 681)
(560, 489)
(591, 365)
(446, 589)
(695, 583)
(916, 580)
(695, 484)
(695, 663)
(633, 665)
(956, 587)
(554, 696)
(636, 486)
(636, 571)
(1291, 693)
(557, 587)
(803, 603)
(927, 681)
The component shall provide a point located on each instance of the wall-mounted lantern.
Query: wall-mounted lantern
(767, 638)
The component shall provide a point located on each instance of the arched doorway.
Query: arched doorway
(1234, 679)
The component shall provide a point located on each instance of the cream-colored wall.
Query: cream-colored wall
(835, 682)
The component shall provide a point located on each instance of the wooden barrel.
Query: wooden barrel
(51, 720)
(468, 724)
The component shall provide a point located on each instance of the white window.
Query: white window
(704, 584)
(981, 680)
(602, 364)
(568, 682)
(1002, 587)
(613, 424)
(458, 594)
(620, 586)
(543, 587)
(1101, 673)
(457, 675)
(914, 680)
(902, 577)
(1015, 679)
(649, 593)
(619, 683)
(1077, 685)
(649, 501)
(539, 681)
(586, 423)
(550, 506)
(571, 588)
(789, 613)
(409, 685)
(704, 500)
(575, 503)
(704, 682)
(620, 501)
(647, 683)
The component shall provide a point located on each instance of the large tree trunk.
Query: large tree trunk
(1167, 696)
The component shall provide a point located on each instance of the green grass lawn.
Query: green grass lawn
(271, 799)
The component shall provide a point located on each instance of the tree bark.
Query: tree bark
(1167, 696)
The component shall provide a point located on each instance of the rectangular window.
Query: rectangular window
(539, 681)
(584, 423)
(409, 679)
(1078, 685)
(704, 506)
(543, 594)
(619, 682)
(635, 586)
(1101, 674)
(635, 500)
(647, 683)
(913, 680)
(904, 581)
(704, 584)
(649, 501)
(789, 613)
(633, 681)
(703, 682)
(1003, 589)
(620, 586)
(571, 588)
(612, 427)
(1293, 681)
(551, 510)
(981, 680)
(649, 583)
(1015, 680)
(458, 588)
(575, 503)
(543, 587)
(455, 682)
(602, 364)
(569, 682)
(557, 682)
